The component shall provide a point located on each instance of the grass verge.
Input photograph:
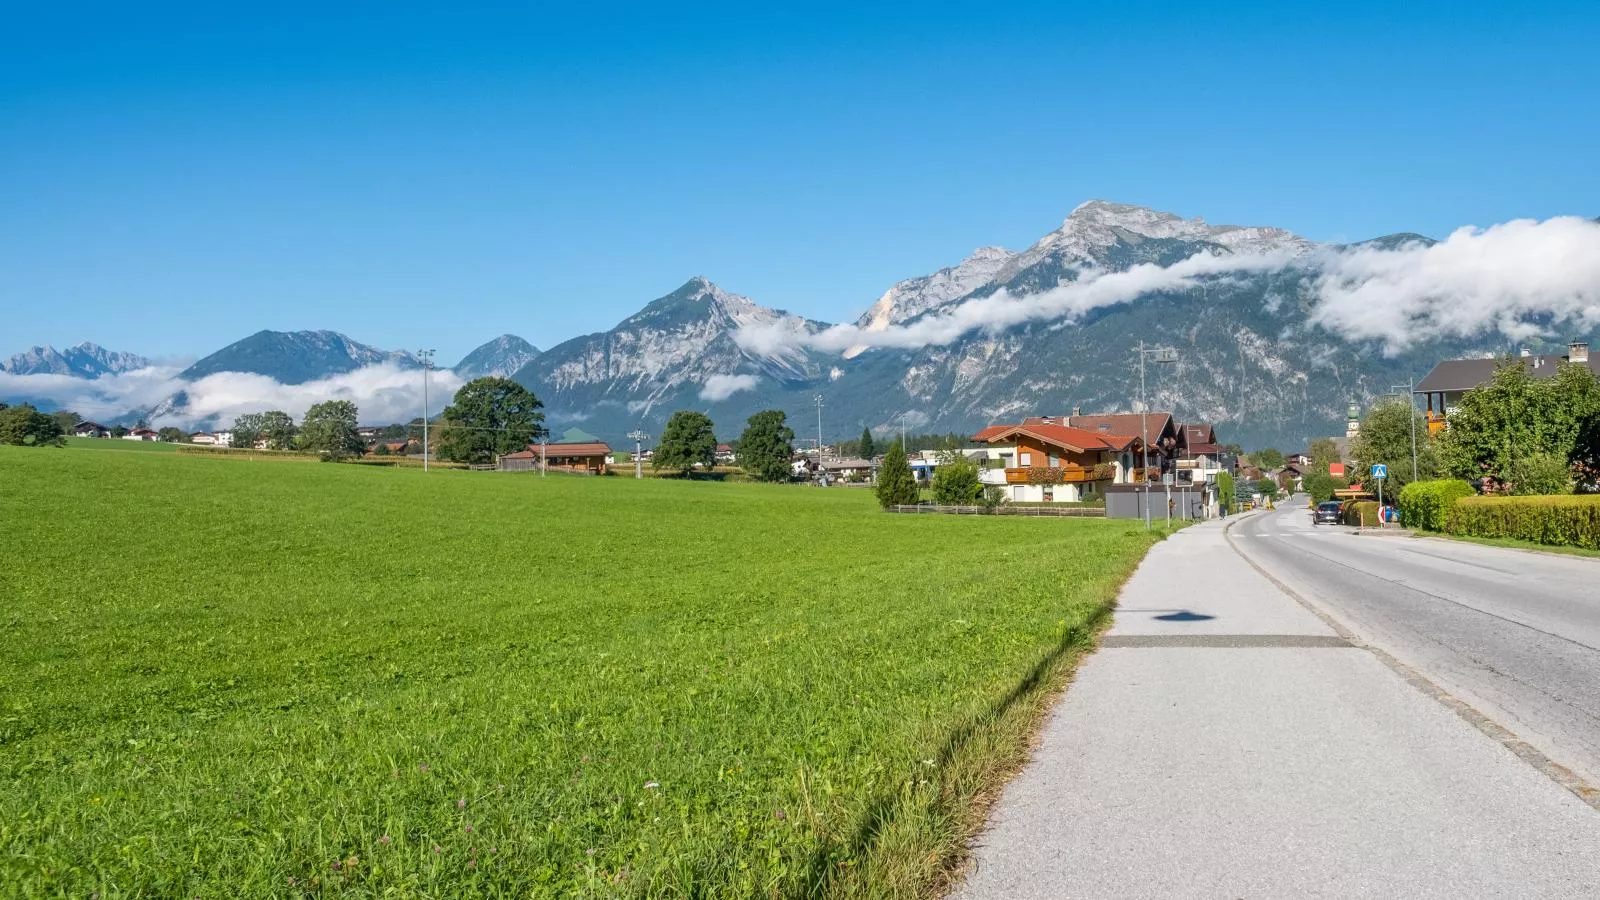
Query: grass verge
(1514, 544)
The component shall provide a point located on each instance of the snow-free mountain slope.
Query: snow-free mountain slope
(663, 356)
(502, 357)
(295, 357)
(86, 360)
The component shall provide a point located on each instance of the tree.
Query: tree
(489, 417)
(173, 435)
(1321, 485)
(1225, 491)
(896, 485)
(275, 427)
(1323, 451)
(688, 439)
(67, 419)
(1270, 458)
(867, 449)
(1267, 488)
(1498, 426)
(25, 426)
(1385, 439)
(246, 431)
(119, 431)
(330, 429)
(381, 449)
(767, 445)
(956, 478)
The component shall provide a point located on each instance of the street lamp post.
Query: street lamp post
(639, 438)
(426, 356)
(1411, 395)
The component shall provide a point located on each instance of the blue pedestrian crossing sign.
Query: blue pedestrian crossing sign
(1380, 471)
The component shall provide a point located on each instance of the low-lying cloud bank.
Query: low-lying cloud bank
(1519, 279)
(383, 393)
(720, 387)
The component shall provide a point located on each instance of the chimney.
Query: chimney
(1578, 352)
(1077, 410)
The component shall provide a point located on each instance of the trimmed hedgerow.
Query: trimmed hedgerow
(1361, 512)
(1567, 521)
(1424, 504)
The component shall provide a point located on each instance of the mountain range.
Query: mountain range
(83, 361)
(1249, 358)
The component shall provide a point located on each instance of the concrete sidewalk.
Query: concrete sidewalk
(1225, 742)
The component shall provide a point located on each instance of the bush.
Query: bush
(1361, 512)
(1540, 473)
(1424, 504)
(1321, 485)
(1563, 521)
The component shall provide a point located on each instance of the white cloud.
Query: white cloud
(1520, 278)
(1001, 310)
(721, 387)
(383, 393)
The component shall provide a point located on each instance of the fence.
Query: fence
(1084, 512)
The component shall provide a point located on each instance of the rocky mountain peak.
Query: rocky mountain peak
(1096, 226)
(86, 360)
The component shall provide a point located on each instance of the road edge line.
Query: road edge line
(1500, 734)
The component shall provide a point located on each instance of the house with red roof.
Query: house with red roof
(587, 457)
(1045, 460)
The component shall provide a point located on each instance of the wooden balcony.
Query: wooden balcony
(1057, 475)
(1435, 423)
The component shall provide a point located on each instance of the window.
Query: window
(1055, 461)
(1026, 459)
(1049, 494)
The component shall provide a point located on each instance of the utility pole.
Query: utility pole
(543, 457)
(1162, 355)
(639, 438)
(818, 399)
(1411, 396)
(426, 356)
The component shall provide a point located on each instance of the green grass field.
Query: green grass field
(230, 678)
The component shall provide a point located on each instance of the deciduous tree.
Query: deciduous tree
(1323, 451)
(767, 445)
(956, 478)
(25, 426)
(896, 485)
(1270, 458)
(330, 429)
(688, 439)
(173, 435)
(489, 417)
(1385, 438)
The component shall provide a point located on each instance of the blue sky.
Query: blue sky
(173, 178)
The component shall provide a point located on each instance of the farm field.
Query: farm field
(231, 678)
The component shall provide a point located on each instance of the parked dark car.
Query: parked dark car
(1328, 513)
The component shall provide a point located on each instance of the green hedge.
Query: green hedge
(1424, 504)
(1361, 512)
(1565, 521)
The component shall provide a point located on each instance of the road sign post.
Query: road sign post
(1379, 473)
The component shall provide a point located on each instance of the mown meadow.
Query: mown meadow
(240, 678)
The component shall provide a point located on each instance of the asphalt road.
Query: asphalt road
(1514, 634)
(1226, 742)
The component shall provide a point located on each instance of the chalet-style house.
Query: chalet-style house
(1443, 387)
(90, 430)
(1199, 458)
(588, 457)
(141, 434)
(1043, 460)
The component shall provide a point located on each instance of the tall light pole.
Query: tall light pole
(1411, 396)
(639, 438)
(818, 400)
(1162, 355)
(426, 356)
